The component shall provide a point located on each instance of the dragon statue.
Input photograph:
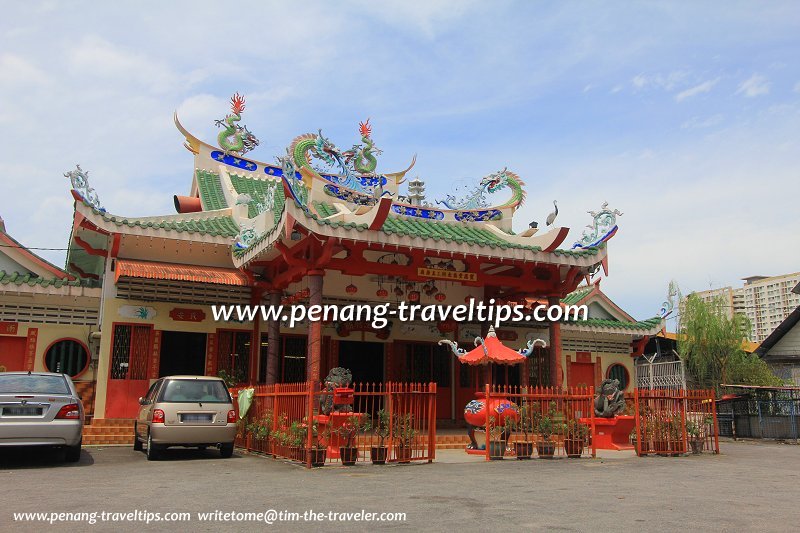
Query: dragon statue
(362, 157)
(610, 401)
(234, 137)
(476, 199)
(310, 145)
(603, 227)
(337, 378)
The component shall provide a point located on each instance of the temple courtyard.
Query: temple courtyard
(749, 486)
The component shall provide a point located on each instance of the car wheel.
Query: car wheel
(226, 450)
(153, 452)
(73, 454)
(137, 444)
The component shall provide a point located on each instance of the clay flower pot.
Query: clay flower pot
(378, 454)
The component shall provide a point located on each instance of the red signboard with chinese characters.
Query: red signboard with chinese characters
(30, 348)
(183, 314)
(9, 328)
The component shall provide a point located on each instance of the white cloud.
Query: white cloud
(17, 71)
(704, 87)
(755, 85)
(702, 122)
(668, 82)
(94, 56)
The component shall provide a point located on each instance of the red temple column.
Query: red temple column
(255, 339)
(273, 341)
(555, 348)
(314, 346)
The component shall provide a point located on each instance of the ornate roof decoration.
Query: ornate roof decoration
(79, 179)
(234, 137)
(602, 228)
(476, 198)
(669, 304)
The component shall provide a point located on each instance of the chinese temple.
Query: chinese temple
(320, 225)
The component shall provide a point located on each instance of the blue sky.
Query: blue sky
(683, 115)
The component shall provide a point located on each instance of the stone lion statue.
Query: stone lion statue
(337, 378)
(610, 401)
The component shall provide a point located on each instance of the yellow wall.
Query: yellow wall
(49, 333)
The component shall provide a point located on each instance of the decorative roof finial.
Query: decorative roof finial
(602, 228)
(80, 184)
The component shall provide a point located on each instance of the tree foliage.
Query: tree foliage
(711, 345)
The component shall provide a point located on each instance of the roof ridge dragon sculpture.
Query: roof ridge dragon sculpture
(476, 199)
(234, 137)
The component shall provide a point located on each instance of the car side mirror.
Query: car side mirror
(141, 401)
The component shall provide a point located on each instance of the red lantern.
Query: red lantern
(398, 291)
(351, 289)
(413, 296)
(440, 297)
(382, 293)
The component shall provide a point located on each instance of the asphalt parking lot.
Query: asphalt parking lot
(750, 486)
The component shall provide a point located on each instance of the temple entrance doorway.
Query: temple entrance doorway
(182, 353)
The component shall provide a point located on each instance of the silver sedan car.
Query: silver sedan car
(40, 409)
(191, 411)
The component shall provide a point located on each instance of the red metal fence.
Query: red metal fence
(552, 422)
(673, 422)
(390, 422)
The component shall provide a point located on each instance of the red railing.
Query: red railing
(389, 422)
(673, 422)
(551, 422)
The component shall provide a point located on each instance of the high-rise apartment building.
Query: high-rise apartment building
(765, 300)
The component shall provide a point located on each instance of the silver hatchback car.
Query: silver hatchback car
(191, 411)
(40, 409)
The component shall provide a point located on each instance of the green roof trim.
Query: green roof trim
(641, 325)
(210, 187)
(257, 189)
(577, 295)
(216, 226)
(449, 232)
(15, 278)
(325, 209)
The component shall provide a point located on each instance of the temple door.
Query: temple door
(581, 371)
(12, 353)
(128, 378)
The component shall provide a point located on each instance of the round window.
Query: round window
(66, 356)
(619, 372)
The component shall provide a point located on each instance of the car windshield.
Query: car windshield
(33, 384)
(195, 390)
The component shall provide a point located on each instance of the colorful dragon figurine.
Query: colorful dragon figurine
(308, 146)
(235, 138)
(362, 156)
(490, 184)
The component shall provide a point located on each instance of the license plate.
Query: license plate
(195, 417)
(22, 411)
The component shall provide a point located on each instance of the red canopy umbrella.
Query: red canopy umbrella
(491, 350)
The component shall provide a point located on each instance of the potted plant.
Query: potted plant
(348, 431)
(675, 434)
(260, 430)
(403, 434)
(297, 440)
(523, 448)
(545, 427)
(575, 438)
(379, 453)
(695, 434)
(498, 438)
(319, 446)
